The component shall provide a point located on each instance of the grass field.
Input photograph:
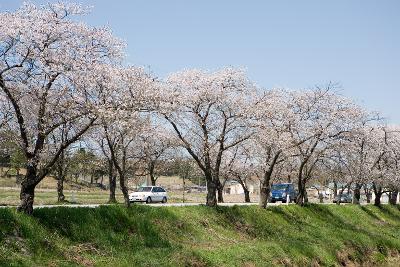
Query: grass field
(10, 196)
(46, 192)
(316, 235)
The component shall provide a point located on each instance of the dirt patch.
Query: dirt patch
(244, 228)
(284, 262)
(345, 258)
(249, 264)
(194, 262)
(205, 223)
(77, 254)
(180, 225)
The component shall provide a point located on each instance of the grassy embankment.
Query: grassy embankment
(316, 235)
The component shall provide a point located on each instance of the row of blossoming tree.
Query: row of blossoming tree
(63, 81)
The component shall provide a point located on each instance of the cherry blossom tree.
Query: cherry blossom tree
(63, 163)
(366, 158)
(153, 145)
(319, 118)
(98, 138)
(393, 141)
(239, 167)
(336, 166)
(384, 172)
(127, 96)
(119, 140)
(48, 62)
(272, 140)
(361, 156)
(207, 111)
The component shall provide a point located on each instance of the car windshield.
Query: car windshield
(344, 195)
(144, 189)
(279, 187)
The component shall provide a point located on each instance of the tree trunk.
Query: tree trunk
(246, 195)
(368, 194)
(378, 199)
(220, 190)
(245, 189)
(321, 197)
(152, 176)
(211, 193)
(60, 189)
(265, 190)
(335, 188)
(153, 179)
(357, 194)
(61, 171)
(301, 185)
(112, 179)
(220, 195)
(378, 194)
(393, 197)
(27, 193)
(301, 198)
(124, 190)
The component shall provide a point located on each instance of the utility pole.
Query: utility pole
(183, 191)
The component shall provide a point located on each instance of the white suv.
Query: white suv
(149, 194)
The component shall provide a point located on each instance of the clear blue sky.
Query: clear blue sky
(281, 43)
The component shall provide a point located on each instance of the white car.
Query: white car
(149, 194)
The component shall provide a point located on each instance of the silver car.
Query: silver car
(149, 194)
(343, 198)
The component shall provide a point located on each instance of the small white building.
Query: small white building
(233, 187)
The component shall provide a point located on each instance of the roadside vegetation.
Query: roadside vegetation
(314, 235)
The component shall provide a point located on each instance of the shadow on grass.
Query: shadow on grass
(308, 231)
(55, 233)
(389, 210)
(113, 225)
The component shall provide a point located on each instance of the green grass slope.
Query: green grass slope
(316, 235)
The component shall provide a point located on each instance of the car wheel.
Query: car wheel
(164, 200)
(148, 200)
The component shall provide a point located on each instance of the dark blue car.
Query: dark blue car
(279, 192)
